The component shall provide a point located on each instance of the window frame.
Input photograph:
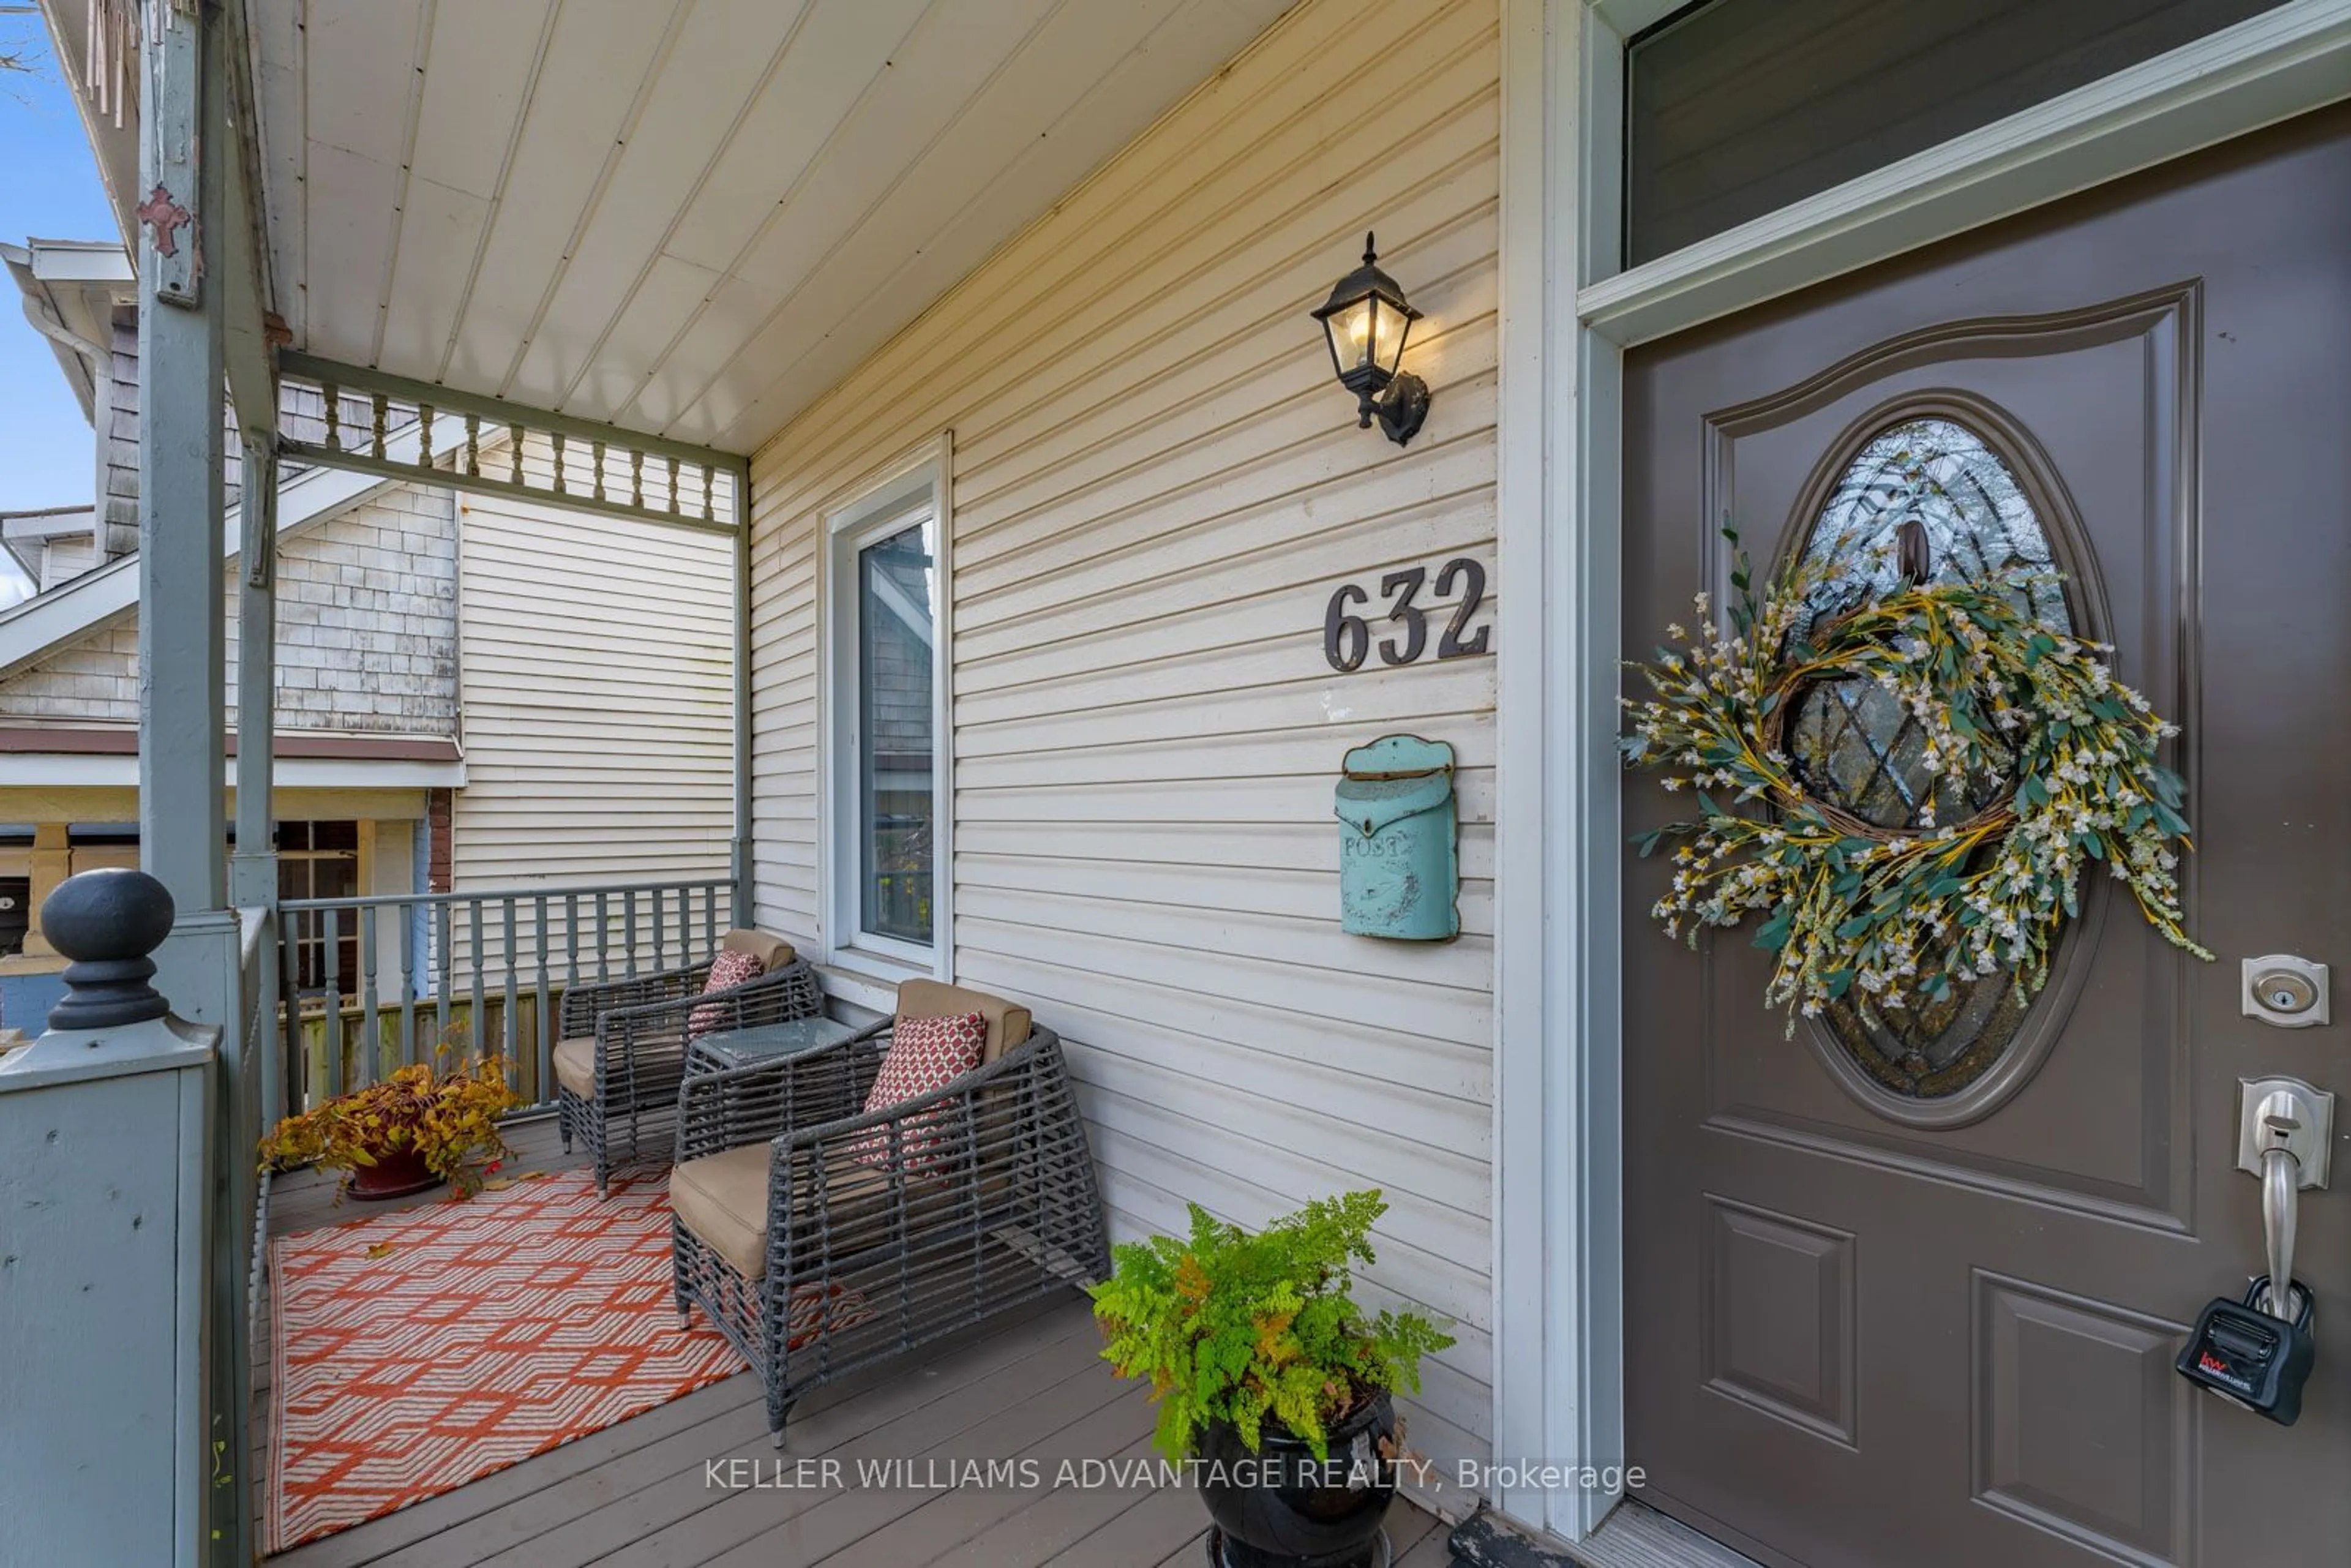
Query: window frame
(311, 978)
(901, 496)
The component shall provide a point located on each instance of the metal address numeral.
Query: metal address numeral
(1401, 608)
(1450, 646)
(1347, 640)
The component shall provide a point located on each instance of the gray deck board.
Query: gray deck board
(1054, 1520)
(1153, 1529)
(889, 1529)
(1030, 1385)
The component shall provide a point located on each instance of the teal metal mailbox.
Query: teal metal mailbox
(1399, 856)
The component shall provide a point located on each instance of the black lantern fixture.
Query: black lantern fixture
(1367, 319)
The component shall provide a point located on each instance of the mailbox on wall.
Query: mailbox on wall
(1399, 857)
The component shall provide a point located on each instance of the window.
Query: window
(1736, 107)
(15, 914)
(16, 840)
(321, 860)
(887, 682)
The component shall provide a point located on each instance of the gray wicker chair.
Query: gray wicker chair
(820, 1238)
(623, 1053)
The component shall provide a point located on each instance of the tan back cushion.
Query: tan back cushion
(1008, 1022)
(773, 952)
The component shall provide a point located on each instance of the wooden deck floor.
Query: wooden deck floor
(653, 1489)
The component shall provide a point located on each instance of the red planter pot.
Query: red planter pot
(396, 1174)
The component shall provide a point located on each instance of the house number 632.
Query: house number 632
(1347, 638)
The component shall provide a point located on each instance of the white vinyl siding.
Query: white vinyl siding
(1155, 484)
(597, 670)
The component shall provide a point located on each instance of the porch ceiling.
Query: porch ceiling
(687, 217)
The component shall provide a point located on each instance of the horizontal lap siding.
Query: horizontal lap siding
(1157, 488)
(597, 670)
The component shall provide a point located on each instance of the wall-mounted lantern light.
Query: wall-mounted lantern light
(1366, 319)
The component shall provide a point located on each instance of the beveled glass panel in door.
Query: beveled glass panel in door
(1856, 746)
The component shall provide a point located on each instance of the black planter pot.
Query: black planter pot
(1281, 1508)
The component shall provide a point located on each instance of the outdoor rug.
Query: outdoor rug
(419, 1350)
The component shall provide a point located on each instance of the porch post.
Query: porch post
(181, 367)
(253, 868)
(741, 857)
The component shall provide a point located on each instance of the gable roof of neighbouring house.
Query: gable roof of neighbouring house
(83, 287)
(28, 537)
(70, 288)
(35, 626)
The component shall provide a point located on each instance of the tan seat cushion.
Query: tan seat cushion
(575, 1065)
(1008, 1023)
(773, 952)
(722, 1199)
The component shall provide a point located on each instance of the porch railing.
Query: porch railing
(249, 1061)
(372, 984)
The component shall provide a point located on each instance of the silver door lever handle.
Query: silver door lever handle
(2281, 1174)
(2285, 1132)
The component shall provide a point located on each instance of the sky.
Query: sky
(49, 189)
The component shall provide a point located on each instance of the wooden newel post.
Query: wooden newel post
(105, 1125)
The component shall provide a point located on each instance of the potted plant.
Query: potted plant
(1269, 1379)
(416, 1129)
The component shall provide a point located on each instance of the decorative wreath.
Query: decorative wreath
(2024, 728)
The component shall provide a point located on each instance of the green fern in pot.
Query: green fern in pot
(1268, 1377)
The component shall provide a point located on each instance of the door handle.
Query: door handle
(2285, 1134)
(2280, 1196)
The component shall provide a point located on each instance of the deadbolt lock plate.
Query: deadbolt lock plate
(2286, 992)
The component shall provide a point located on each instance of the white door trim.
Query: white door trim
(1567, 311)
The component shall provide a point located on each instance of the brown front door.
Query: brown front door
(1903, 1299)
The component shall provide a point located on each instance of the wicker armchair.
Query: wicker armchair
(623, 1047)
(821, 1238)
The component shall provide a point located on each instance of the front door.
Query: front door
(1900, 1298)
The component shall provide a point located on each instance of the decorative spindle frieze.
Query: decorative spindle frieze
(703, 488)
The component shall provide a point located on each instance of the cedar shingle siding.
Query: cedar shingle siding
(366, 632)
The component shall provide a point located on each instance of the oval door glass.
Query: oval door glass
(1852, 745)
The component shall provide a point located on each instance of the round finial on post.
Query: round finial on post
(108, 922)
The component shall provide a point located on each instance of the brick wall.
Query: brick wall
(366, 632)
(437, 851)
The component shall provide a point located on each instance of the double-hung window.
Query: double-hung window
(888, 867)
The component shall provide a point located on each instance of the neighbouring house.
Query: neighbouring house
(1070, 562)
(441, 720)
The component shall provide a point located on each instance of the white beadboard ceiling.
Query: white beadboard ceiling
(688, 217)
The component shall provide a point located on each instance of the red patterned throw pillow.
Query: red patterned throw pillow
(925, 1054)
(730, 969)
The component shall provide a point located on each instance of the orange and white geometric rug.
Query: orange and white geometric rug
(419, 1350)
